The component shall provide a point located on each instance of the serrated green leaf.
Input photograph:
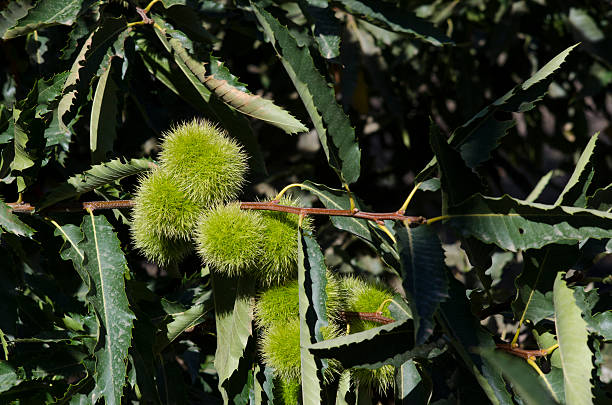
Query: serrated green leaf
(236, 97)
(517, 225)
(524, 379)
(572, 336)
(102, 126)
(396, 19)
(324, 26)
(105, 42)
(482, 133)
(233, 316)
(95, 177)
(312, 281)
(336, 134)
(466, 335)
(12, 12)
(386, 344)
(105, 265)
(48, 92)
(10, 223)
(423, 275)
(575, 191)
(48, 13)
(539, 187)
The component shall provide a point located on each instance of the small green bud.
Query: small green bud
(229, 238)
(204, 161)
(279, 304)
(278, 261)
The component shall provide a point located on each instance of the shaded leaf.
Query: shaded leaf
(411, 388)
(333, 126)
(93, 59)
(467, 337)
(601, 199)
(312, 281)
(10, 223)
(105, 265)
(516, 225)
(600, 323)
(325, 27)
(8, 376)
(572, 336)
(386, 344)
(396, 19)
(103, 123)
(95, 177)
(48, 13)
(423, 274)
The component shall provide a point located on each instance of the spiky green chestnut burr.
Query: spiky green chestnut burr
(204, 161)
(162, 208)
(229, 238)
(159, 249)
(362, 296)
(280, 348)
(367, 297)
(287, 392)
(380, 379)
(281, 303)
(278, 261)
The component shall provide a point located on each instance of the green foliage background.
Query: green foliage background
(490, 105)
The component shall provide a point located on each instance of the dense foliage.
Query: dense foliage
(487, 122)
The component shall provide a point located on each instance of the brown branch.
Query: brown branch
(269, 206)
(366, 316)
(525, 354)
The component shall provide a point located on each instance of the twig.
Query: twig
(525, 354)
(366, 316)
(267, 206)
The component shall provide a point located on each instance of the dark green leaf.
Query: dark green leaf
(336, 134)
(387, 344)
(537, 190)
(466, 336)
(601, 200)
(517, 225)
(105, 265)
(325, 27)
(48, 13)
(600, 323)
(411, 388)
(396, 19)
(8, 376)
(423, 274)
(93, 59)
